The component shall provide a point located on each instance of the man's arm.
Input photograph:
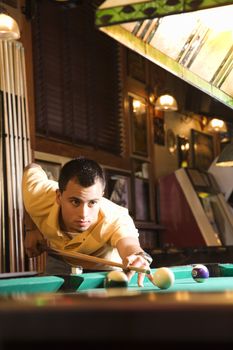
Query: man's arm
(132, 254)
(34, 242)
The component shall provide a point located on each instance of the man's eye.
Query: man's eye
(92, 203)
(75, 202)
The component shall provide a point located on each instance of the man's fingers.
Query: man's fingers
(129, 274)
(141, 279)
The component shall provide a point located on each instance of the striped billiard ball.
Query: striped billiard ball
(200, 273)
(116, 279)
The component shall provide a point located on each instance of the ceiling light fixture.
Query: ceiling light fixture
(166, 103)
(9, 29)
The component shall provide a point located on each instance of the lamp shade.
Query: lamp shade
(226, 157)
(9, 29)
(166, 103)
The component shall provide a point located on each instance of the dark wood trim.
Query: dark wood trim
(66, 150)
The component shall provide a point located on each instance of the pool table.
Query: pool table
(79, 311)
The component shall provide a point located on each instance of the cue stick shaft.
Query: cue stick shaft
(15, 157)
(98, 260)
(18, 162)
(8, 144)
(6, 195)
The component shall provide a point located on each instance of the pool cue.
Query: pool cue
(16, 186)
(23, 149)
(1, 202)
(15, 141)
(36, 263)
(1, 184)
(19, 165)
(25, 117)
(96, 259)
(5, 219)
(8, 155)
(27, 128)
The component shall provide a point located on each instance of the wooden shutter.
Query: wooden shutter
(77, 79)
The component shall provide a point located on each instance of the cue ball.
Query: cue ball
(163, 277)
(116, 279)
(200, 273)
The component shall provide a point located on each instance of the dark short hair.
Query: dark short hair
(85, 171)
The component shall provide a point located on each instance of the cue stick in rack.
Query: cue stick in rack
(2, 238)
(5, 193)
(8, 178)
(36, 263)
(96, 259)
(18, 160)
(22, 132)
(15, 138)
(26, 112)
(12, 120)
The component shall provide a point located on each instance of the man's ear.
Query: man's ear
(58, 197)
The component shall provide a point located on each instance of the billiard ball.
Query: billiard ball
(200, 273)
(116, 279)
(163, 278)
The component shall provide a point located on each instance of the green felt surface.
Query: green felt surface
(226, 270)
(95, 280)
(31, 284)
(183, 280)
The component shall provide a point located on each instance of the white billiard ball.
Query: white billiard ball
(163, 278)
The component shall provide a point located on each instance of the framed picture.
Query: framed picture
(136, 66)
(52, 169)
(118, 188)
(202, 147)
(138, 116)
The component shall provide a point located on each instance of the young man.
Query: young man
(72, 215)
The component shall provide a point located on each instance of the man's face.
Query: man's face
(79, 205)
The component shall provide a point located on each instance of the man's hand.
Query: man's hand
(132, 254)
(138, 261)
(34, 243)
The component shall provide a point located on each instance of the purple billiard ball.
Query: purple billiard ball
(200, 273)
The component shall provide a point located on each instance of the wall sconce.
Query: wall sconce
(166, 103)
(9, 29)
(226, 156)
(217, 125)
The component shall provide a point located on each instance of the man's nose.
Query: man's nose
(83, 210)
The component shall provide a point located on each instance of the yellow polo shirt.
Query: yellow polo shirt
(114, 222)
